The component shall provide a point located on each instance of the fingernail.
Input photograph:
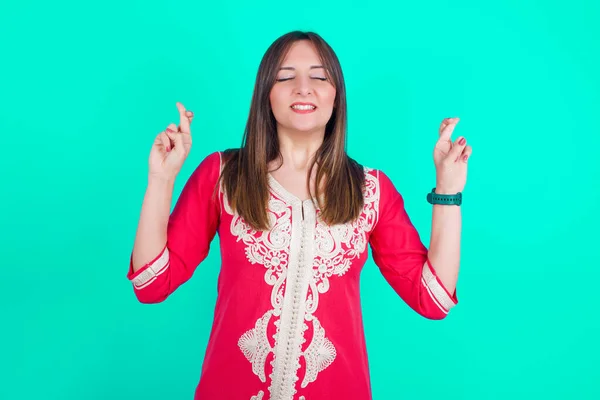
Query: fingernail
(465, 158)
(462, 141)
(191, 112)
(170, 130)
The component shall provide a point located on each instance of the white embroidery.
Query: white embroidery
(149, 275)
(255, 345)
(435, 290)
(337, 245)
(268, 248)
(259, 396)
(300, 259)
(291, 328)
(319, 354)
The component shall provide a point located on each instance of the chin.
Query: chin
(305, 127)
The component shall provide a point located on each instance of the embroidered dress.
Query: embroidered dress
(287, 322)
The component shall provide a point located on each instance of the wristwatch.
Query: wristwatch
(445, 199)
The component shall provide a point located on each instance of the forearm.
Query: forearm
(151, 235)
(444, 246)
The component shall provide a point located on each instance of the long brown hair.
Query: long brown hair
(245, 172)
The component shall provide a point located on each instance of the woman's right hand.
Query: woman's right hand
(171, 147)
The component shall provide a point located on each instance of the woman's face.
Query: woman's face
(302, 97)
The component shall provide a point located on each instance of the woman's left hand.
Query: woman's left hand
(450, 159)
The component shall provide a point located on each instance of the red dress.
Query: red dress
(287, 321)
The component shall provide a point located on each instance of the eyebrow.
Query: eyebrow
(293, 69)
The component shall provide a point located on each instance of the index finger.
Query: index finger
(184, 121)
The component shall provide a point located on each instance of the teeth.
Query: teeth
(302, 107)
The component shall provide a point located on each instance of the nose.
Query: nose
(304, 85)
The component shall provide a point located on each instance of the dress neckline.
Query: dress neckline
(285, 194)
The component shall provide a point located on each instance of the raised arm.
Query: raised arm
(168, 248)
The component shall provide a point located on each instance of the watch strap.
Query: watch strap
(444, 199)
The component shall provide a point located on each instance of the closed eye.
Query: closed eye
(287, 79)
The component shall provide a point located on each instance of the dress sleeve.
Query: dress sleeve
(191, 228)
(402, 258)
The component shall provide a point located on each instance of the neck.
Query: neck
(299, 148)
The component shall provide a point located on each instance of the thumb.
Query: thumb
(179, 146)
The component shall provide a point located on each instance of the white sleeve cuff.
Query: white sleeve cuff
(436, 290)
(147, 274)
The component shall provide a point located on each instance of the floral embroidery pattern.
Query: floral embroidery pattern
(337, 245)
(334, 249)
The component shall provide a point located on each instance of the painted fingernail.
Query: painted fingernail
(170, 130)
(465, 158)
(462, 141)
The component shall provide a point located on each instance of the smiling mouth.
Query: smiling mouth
(303, 108)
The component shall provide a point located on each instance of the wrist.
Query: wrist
(444, 196)
(443, 190)
(161, 181)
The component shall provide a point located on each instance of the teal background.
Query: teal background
(86, 87)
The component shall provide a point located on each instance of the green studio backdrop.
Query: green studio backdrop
(87, 86)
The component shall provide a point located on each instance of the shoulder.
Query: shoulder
(209, 165)
(379, 187)
(212, 159)
(207, 172)
(372, 175)
(218, 159)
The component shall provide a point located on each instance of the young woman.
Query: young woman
(294, 214)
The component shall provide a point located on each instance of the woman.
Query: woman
(294, 215)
